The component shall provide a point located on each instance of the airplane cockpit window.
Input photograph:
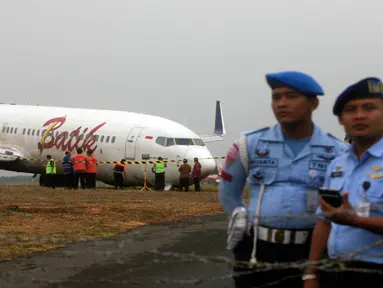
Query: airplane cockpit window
(184, 141)
(161, 141)
(113, 139)
(169, 141)
(198, 142)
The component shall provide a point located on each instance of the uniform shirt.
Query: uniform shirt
(288, 178)
(184, 170)
(347, 173)
(196, 173)
(68, 164)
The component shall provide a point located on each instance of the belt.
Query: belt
(283, 236)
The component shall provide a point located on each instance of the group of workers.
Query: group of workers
(84, 168)
(286, 166)
(77, 168)
(186, 174)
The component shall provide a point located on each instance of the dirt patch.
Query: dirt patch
(48, 219)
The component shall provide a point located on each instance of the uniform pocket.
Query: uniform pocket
(337, 183)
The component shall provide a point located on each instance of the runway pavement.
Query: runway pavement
(128, 260)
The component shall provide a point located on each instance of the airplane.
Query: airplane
(33, 132)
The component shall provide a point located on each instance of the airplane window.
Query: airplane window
(169, 141)
(4, 129)
(107, 139)
(15, 130)
(96, 137)
(11, 130)
(184, 141)
(33, 132)
(38, 133)
(102, 138)
(7, 129)
(24, 131)
(29, 131)
(161, 141)
(113, 139)
(198, 142)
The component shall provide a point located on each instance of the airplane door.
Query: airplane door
(2, 131)
(130, 146)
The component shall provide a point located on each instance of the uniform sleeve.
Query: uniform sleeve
(233, 180)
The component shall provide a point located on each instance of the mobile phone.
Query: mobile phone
(331, 196)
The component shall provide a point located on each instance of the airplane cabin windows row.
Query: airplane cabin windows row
(164, 141)
(36, 132)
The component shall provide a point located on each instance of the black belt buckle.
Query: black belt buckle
(279, 236)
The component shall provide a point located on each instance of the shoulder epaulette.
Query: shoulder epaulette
(333, 137)
(255, 131)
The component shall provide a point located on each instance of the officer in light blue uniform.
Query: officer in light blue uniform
(358, 176)
(284, 166)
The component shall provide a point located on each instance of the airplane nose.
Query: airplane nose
(208, 164)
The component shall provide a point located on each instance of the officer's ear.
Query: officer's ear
(314, 103)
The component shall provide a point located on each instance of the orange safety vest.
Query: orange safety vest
(92, 164)
(119, 165)
(79, 162)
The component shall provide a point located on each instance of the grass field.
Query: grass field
(65, 216)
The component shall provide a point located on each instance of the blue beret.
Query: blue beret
(298, 81)
(366, 88)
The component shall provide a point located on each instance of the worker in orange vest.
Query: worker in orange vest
(91, 170)
(80, 168)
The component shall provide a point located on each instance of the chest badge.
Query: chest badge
(262, 152)
(329, 149)
(376, 168)
(375, 176)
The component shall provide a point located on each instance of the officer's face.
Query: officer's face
(363, 117)
(290, 106)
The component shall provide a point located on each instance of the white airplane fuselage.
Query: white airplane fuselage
(111, 135)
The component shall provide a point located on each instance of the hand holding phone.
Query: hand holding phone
(331, 196)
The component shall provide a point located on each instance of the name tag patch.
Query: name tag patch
(318, 165)
(336, 174)
(267, 162)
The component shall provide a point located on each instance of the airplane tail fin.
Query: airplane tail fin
(219, 127)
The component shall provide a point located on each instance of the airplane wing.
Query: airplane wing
(219, 128)
(9, 154)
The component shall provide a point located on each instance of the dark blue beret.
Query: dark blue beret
(298, 81)
(371, 87)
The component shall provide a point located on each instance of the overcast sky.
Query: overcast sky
(176, 58)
